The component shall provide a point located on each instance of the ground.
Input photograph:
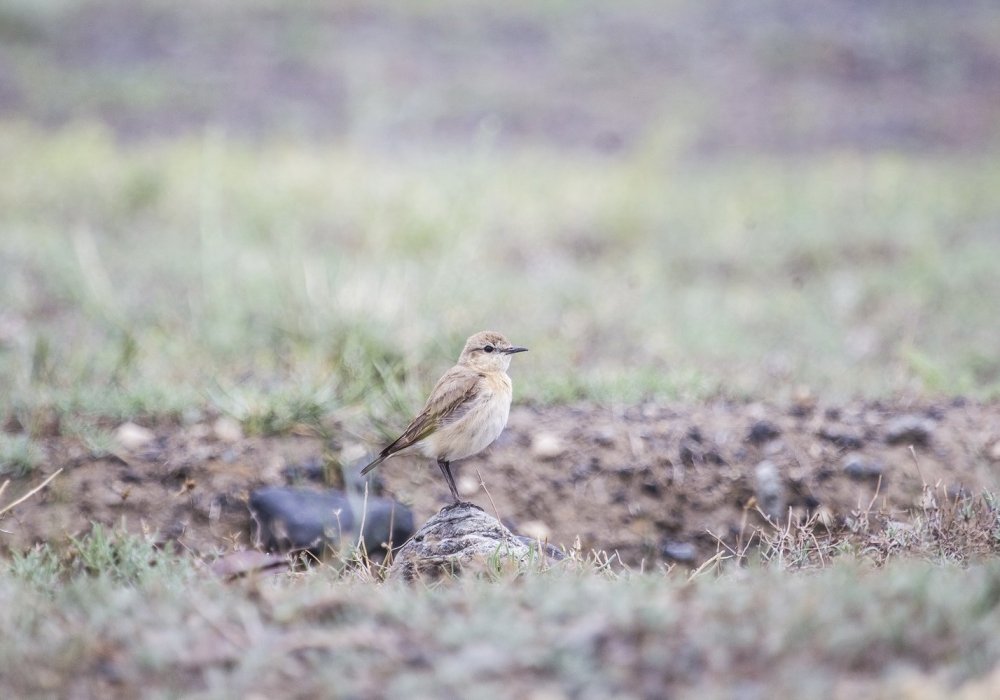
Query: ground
(648, 484)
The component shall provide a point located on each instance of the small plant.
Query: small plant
(113, 553)
(19, 455)
(40, 567)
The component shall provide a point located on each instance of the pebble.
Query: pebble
(770, 490)
(547, 446)
(910, 430)
(994, 452)
(682, 552)
(536, 530)
(467, 484)
(762, 431)
(860, 468)
(605, 437)
(132, 436)
(227, 429)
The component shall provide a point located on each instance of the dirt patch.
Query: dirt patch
(651, 482)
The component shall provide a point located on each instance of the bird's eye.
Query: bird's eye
(489, 348)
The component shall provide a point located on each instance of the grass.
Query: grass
(19, 455)
(158, 279)
(111, 613)
(332, 247)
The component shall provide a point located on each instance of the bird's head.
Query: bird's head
(488, 351)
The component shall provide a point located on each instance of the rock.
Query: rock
(843, 438)
(909, 430)
(461, 537)
(762, 431)
(227, 429)
(693, 450)
(131, 436)
(605, 437)
(467, 484)
(860, 468)
(291, 518)
(682, 552)
(546, 446)
(536, 530)
(770, 490)
(994, 452)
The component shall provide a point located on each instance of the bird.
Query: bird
(467, 409)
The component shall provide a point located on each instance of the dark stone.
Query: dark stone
(692, 452)
(681, 552)
(686, 454)
(802, 409)
(909, 430)
(762, 431)
(810, 502)
(291, 518)
(861, 468)
(651, 488)
(842, 437)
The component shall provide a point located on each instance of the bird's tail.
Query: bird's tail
(378, 460)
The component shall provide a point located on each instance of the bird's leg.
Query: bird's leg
(446, 470)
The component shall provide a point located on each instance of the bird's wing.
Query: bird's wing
(452, 397)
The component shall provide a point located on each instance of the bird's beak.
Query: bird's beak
(512, 350)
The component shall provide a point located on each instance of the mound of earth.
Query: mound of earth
(651, 482)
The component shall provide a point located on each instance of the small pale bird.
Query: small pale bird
(466, 411)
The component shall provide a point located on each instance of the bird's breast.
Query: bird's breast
(480, 426)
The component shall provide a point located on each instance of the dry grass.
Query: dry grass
(111, 614)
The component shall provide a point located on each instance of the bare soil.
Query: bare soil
(652, 482)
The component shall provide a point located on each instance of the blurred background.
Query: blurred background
(283, 209)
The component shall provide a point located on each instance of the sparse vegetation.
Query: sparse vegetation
(19, 455)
